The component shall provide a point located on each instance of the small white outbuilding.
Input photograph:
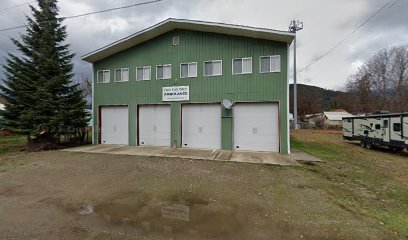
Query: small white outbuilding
(335, 119)
(327, 119)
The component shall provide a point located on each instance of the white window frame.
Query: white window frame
(164, 65)
(242, 66)
(211, 61)
(103, 71)
(188, 70)
(143, 68)
(270, 63)
(176, 40)
(121, 72)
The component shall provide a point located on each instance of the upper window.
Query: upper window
(188, 70)
(176, 40)
(122, 75)
(270, 64)
(213, 68)
(242, 66)
(143, 73)
(103, 76)
(377, 126)
(163, 71)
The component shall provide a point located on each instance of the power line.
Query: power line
(390, 4)
(112, 9)
(87, 14)
(16, 6)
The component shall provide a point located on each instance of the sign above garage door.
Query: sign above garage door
(177, 93)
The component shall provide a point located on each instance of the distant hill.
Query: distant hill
(312, 99)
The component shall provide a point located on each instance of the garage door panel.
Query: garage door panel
(115, 125)
(146, 125)
(163, 125)
(256, 126)
(154, 125)
(201, 126)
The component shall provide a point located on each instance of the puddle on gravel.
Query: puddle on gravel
(177, 216)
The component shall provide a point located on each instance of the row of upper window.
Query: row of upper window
(268, 64)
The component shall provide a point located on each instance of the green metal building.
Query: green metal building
(184, 83)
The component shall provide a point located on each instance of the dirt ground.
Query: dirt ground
(66, 195)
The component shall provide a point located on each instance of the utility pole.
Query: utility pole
(295, 25)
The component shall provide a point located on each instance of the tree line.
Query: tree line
(42, 101)
(381, 83)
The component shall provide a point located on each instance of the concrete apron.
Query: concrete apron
(189, 153)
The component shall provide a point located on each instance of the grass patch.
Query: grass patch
(369, 182)
(393, 220)
(10, 139)
(314, 149)
(11, 144)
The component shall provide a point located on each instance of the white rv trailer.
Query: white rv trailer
(378, 130)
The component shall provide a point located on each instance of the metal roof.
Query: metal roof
(404, 114)
(337, 116)
(172, 24)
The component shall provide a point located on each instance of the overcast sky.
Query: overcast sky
(325, 23)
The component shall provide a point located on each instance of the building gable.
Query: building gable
(172, 24)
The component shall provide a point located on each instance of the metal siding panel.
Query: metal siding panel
(132, 124)
(226, 130)
(175, 124)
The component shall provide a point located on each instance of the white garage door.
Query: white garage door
(256, 126)
(115, 125)
(154, 125)
(201, 126)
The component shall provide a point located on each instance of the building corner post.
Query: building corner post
(94, 116)
(287, 98)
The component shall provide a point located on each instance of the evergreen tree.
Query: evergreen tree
(41, 96)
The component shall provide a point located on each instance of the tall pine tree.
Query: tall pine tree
(42, 99)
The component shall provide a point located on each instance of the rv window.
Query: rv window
(365, 132)
(385, 125)
(377, 126)
(397, 127)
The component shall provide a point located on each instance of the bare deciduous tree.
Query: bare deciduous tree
(382, 82)
(86, 86)
(400, 74)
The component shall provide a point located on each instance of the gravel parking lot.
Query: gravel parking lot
(67, 195)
